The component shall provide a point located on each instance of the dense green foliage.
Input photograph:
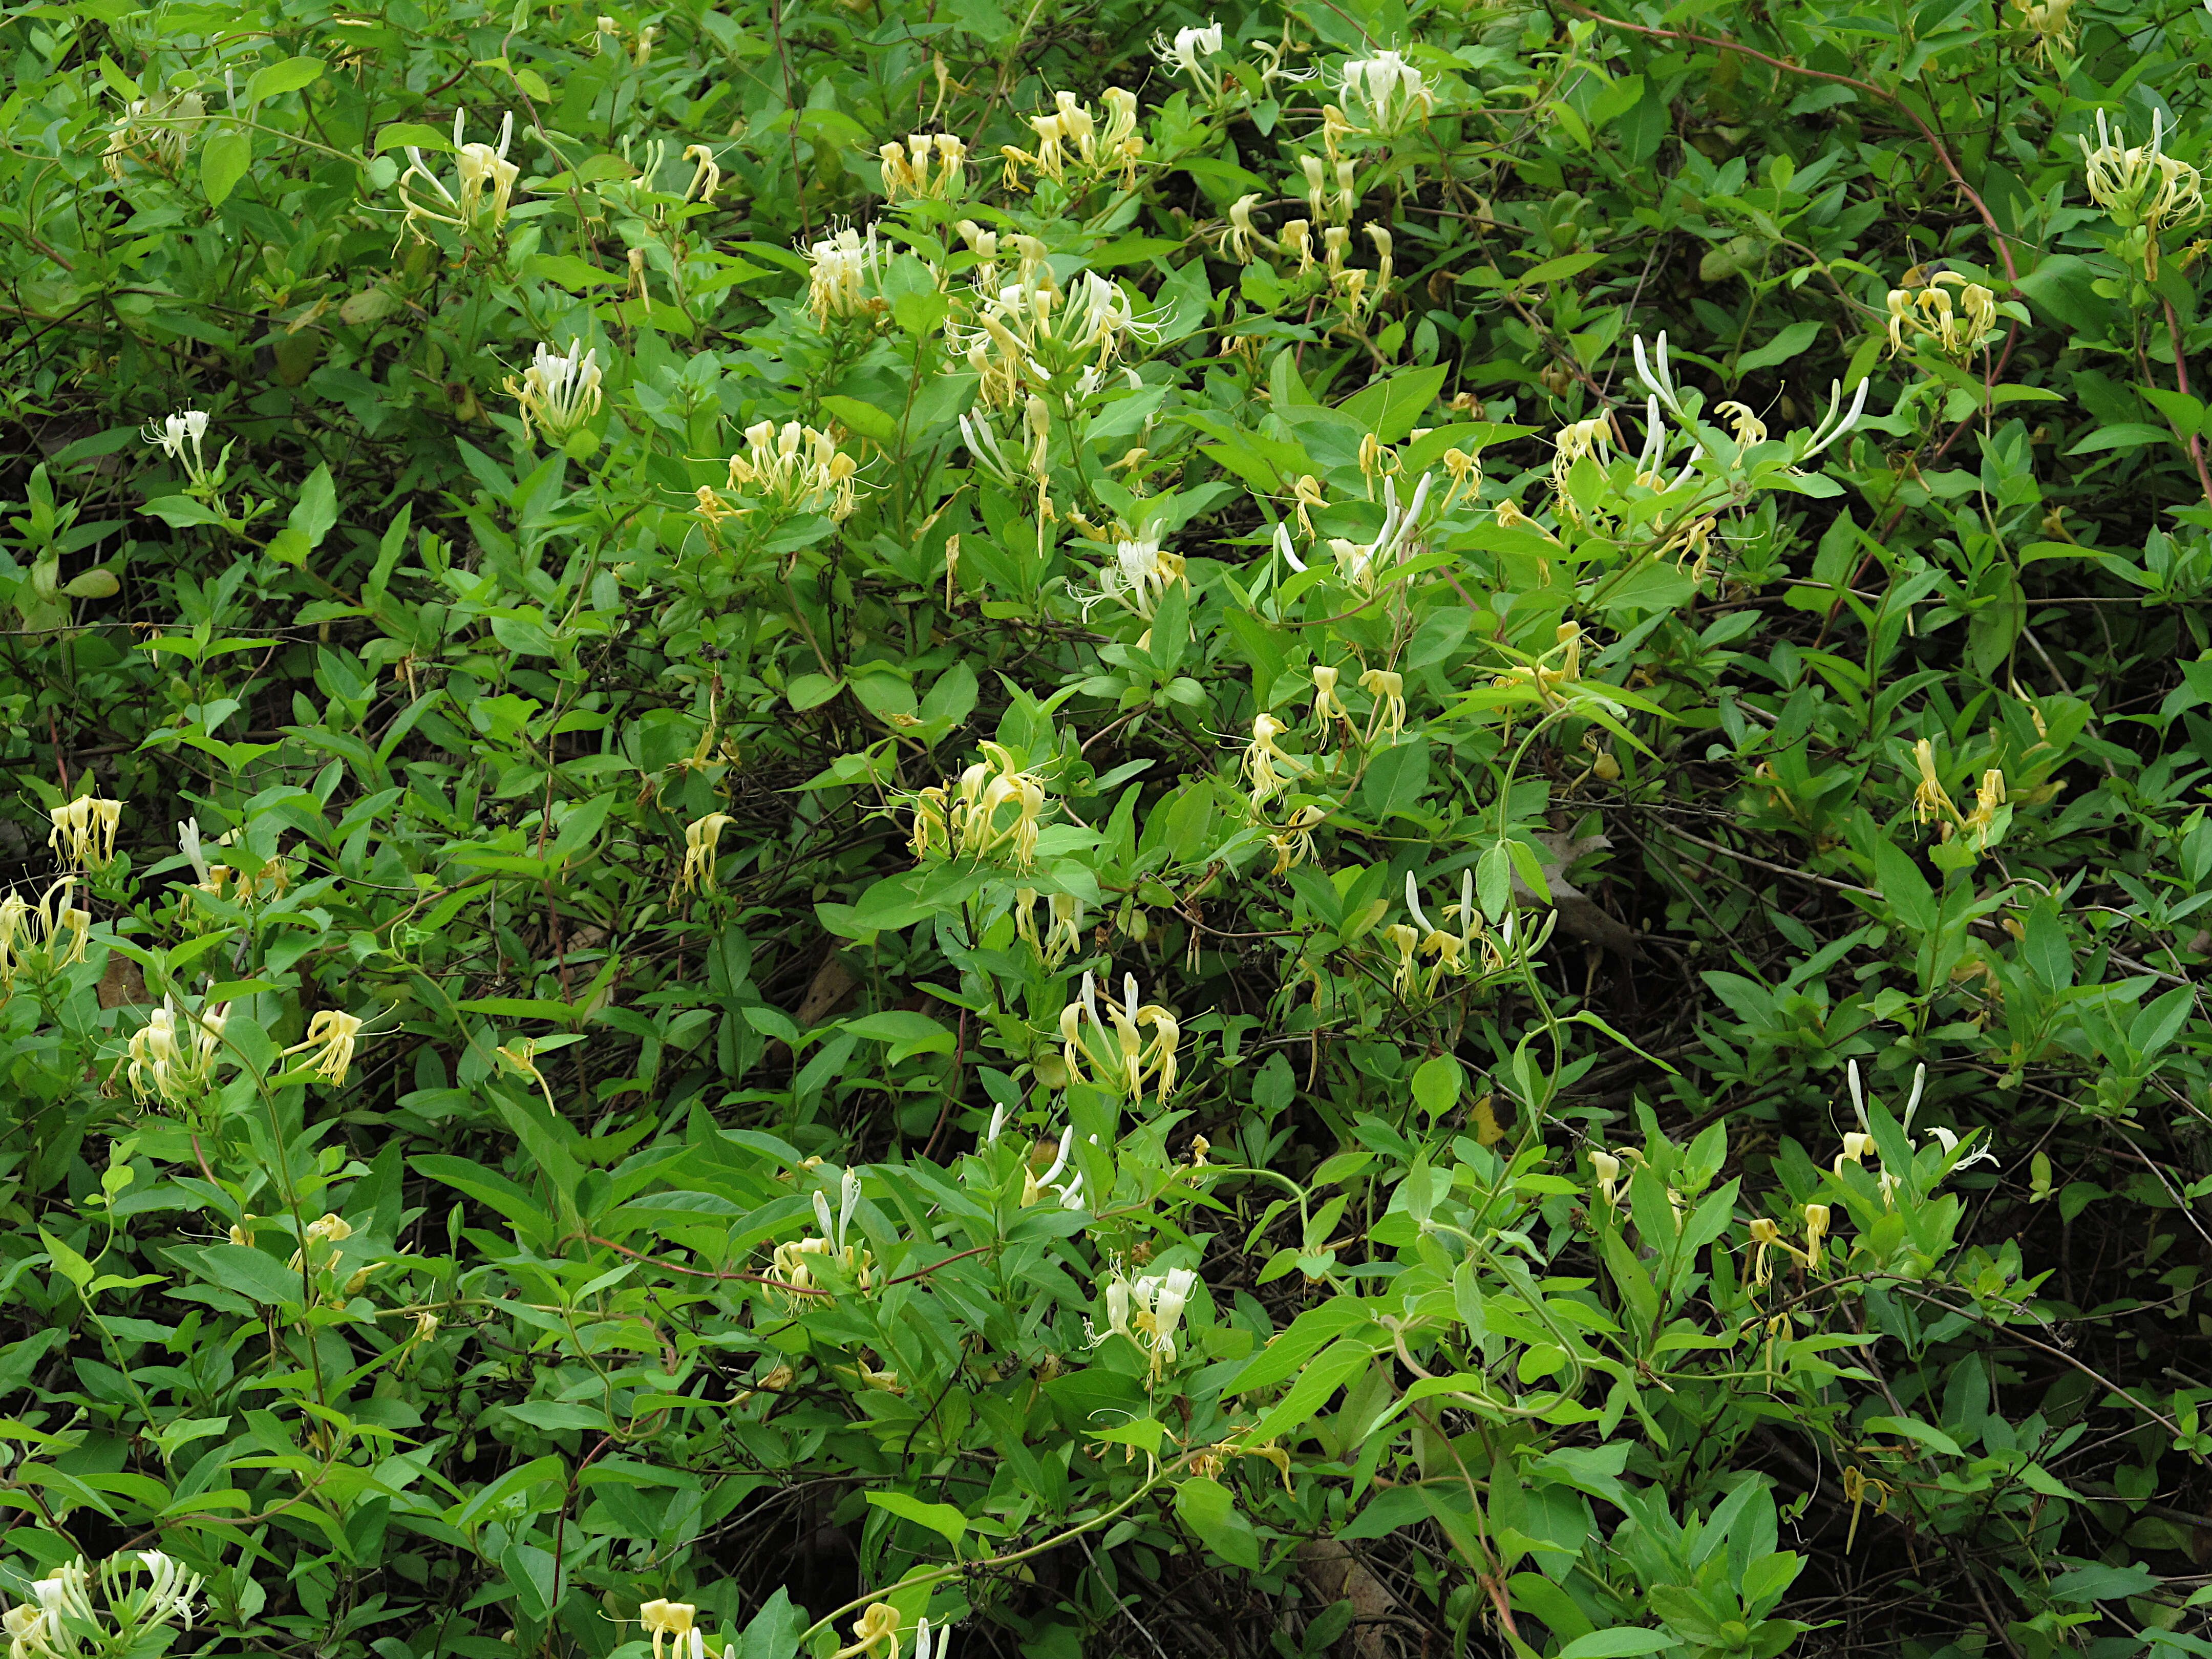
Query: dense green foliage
(1376, 832)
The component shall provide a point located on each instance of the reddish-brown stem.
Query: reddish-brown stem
(2181, 380)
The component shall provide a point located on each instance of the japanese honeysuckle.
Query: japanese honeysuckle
(842, 271)
(83, 833)
(877, 1626)
(1653, 368)
(1361, 564)
(1327, 706)
(1957, 330)
(1766, 1237)
(1816, 1229)
(487, 184)
(1139, 575)
(1036, 1185)
(1265, 764)
(905, 168)
(967, 820)
(171, 1058)
(1607, 1168)
(1237, 242)
(329, 1229)
(666, 1620)
(60, 1622)
(40, 940)
(2050, 25)
(158, 130)
(1388, 90)
(1062, 938)
(1930, 800)
(705, 177)
(1120, 1057)
(1293, 843)
(1388, 690)
(798, 469)
(557, 393)
(1186, 54)
(791, 1266)
(1296, 237)
(2142, 187)
(182, 437)
(329, 1040)
(1148, 1311)
(702, 839)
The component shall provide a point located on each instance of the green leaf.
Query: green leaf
(253, 1273)
(2121, 435)
(317, 509)
(906, 1031)
(400, 133)
(1623, 1644)
(1437, 1086)
(272, 79)
(225, 154)
(1913, 1429)
(941, 1518)
(811, 690)
(869, 420)
(1791, 343)
(1205, 1507)
(1912, 900)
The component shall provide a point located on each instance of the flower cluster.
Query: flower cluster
(1464, 948)
(1188, 52)
(1069, 133)
(971, 819)
(1931, 800)
(1114, 1045)
(60, 1622)
(83, 833)
(702, 839)
(1139, 575)
(487, 184)
(557, 394)
(1389, 91)
(171, 1058)
(907, 166)
(1859, 1143)
(43, 939)
(842, 265)
(1956, 330)
(329, 1040)
(156, 130)
(1037, 1183)
(798, 468)
(2142, 187)
(1063, 937)
(793, 1266)
(1148, 1311)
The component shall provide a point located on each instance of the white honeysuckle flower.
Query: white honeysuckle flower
(1283, 530)
(841, 266)
(1148, 1311)
(1361, 564)
(486, 181)
(182, 437)
(998, 1123)
(1949, 1140)
(558, 393)
(1036, 1186)
(848, 1196)
(1186, 54)
(1390, 90)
